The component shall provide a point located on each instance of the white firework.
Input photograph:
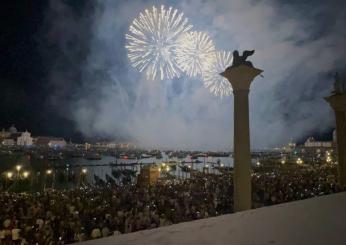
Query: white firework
(152, 40)
(216, 83)
(195, 52)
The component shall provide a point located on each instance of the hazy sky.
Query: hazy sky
(91, 82)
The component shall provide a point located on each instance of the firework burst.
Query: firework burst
(152, 41)
(195, 52)
(217, 84)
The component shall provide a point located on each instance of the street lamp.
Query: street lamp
(26, 174)
(82, 175)
(48, 172)
(18, 167)
(299, 161)
(206, 169)
(9, 175)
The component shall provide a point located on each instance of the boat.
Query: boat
(77, 155)
(197, 155)
(170, 163)
(145, 155)
(110, 180)
(193, 161)
(117, 173)
(93, 156)
(98, 180)
(178, 154)
(185, 168)
(122, 164)
(129, 172)
(54, 157)
(224, 169)
(218, 154)
(126, 157)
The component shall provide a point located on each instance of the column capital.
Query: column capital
(337, 102)
(241, 76)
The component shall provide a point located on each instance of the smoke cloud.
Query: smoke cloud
(297, 45)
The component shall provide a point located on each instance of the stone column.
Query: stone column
(240, 78)
(338, 103)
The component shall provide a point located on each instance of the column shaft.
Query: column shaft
(242, 155)
(340, 117)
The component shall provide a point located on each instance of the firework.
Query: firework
(152, 41)
(195, 52)
(216, 83)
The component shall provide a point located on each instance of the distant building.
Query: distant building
(126, 146)
(13, 129)
(112, 145)
(57, 143)
(4, 134)
(8, 142)
(289, 147)
(311, 142)
(87, 146)
(9, 137)
(315, 152)
(25, 139)
(51, 142)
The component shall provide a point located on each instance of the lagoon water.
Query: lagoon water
(101, 170)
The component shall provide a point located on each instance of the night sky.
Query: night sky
(64, 71)
(26, 57)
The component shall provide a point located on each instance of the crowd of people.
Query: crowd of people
(89, 212)
(297, 183)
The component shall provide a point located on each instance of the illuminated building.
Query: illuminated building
(149, 175)
(289, 147)
(8, 142)
(25, 139)
(51, 142)
(311, 142)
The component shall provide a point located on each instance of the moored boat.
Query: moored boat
(93, 156)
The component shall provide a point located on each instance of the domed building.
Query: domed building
(13, 130)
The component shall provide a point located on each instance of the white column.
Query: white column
(241, 77)
(338, 103)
